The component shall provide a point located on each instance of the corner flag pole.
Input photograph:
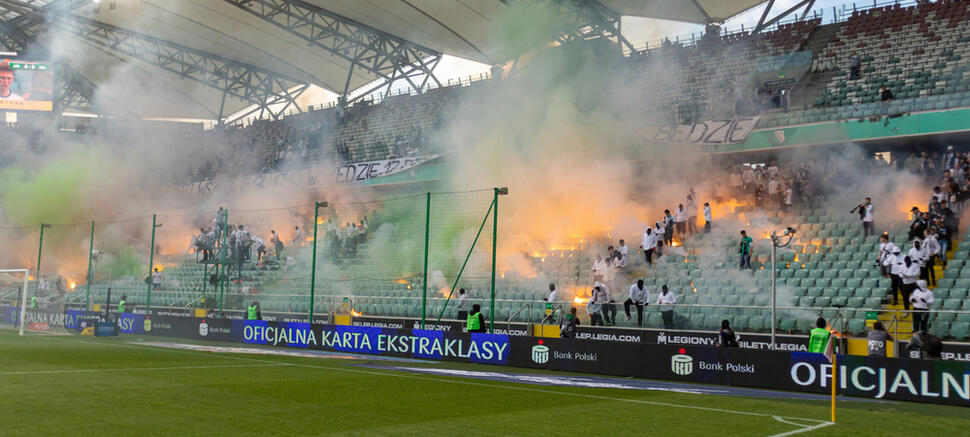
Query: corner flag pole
(834, 370)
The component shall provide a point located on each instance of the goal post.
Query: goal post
(31, 306)
(13, 283)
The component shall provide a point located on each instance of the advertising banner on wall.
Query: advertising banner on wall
(410, 343)
(872, 377)
(690, 338)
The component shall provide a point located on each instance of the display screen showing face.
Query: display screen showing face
(26, 85)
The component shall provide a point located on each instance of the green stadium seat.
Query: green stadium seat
(960, 330)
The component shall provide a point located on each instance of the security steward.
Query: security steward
(253, 312)
(819, 338)
(475, 321)
(122, 303)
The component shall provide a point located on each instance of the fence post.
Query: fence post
(313, 264)
(491, 311)
(427, 236)
(87, 296)
(221, 268)
(151, 265)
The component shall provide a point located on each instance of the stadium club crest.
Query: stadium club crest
(681, 364)
(147, 324)
(662, 338)
(540, 353)
(203, 328)
(780, 135)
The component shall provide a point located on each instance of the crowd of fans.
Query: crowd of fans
(770, 187)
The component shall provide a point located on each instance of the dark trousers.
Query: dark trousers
(668, 317)
(745, 261)
(681, 228)
(930, 272)
(626, 308)
(707, 227)
(907, 289)
(463, 315)
(867, 229)
(669, 236)
(895, 287)
(595, 319)
(921, 320)
(609, 313)
(648, 256)
(854, 73)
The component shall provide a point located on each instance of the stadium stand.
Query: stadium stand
(916, 51)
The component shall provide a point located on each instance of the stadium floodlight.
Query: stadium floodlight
(776, 242)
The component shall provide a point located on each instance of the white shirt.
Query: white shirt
(463, 302)
(665, 300)
(772, 171)
(624, 251)
(896, 264)
(788, 195)
(553, 296)
(680, 215)
(610, 272)
(604, 291)
(707, 213)
(649, 241)
(868, 216)
(885, 249)
(910, 274)
(772, 187)
(599, 267)
(12, 96)
(931, 246)
(748, 175)
(926, 295)
(157, 278)
(639, 295)
(916, 255)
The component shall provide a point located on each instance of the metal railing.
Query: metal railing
(526, 306)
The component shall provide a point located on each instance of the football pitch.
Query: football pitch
(71, 385)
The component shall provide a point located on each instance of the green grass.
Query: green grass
(87, 386)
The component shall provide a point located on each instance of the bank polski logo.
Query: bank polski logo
(681, 364)
(203, 328)
(662, 338)
(540, 353)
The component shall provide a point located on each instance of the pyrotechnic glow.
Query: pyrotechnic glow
(73, 284)
(578, 299)
(356, 313)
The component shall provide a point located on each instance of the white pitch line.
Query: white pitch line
(804, 428)
(129, 369)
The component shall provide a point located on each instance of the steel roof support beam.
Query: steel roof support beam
(379, 53)
(586, 20)
(260, 87)
(762, 24)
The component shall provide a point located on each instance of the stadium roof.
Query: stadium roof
(234, 30)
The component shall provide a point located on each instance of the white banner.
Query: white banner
(363, 171)
(713, 132)
(300, 179)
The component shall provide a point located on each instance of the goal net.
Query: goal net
(31, 307)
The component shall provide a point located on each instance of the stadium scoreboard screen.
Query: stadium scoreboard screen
(25, 85)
